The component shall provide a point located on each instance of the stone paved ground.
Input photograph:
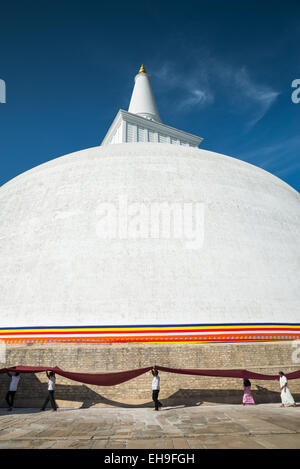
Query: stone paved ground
(181, 427)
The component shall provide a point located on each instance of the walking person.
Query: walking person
(51, 389)
(155, 388)
(287, 399)
(10, 396)
(247, 397)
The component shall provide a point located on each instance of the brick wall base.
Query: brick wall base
(264, 357)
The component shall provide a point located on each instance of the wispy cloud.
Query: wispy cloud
(192, 92)
(196, 97)
(211, 79)
(281, 158)
(259, 95)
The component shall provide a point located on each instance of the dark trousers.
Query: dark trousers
(50, 398)
(155, 399)
(10, 398)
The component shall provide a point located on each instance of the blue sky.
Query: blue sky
(220, 69)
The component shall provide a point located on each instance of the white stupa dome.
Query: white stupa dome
(68, 269)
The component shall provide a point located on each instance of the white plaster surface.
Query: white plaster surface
(55, 270)
(142, 100)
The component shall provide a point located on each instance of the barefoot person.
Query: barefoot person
(10, 396)
(51, 389)
(286, 396)
(155, 388)
(247, 397)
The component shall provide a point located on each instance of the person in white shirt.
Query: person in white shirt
(286, 396)
(10, 396)
(155, 388)
(51, 389)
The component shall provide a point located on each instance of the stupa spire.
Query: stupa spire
(141, 123)
(142, 100)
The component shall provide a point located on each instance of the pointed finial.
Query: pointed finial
(142, 69)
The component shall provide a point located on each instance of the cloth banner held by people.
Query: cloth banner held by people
(112, 379)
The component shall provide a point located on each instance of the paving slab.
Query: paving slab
(195, 443)
(180, 443)
(279, 441)
(230, 442)
(150, 444)
(262, 425)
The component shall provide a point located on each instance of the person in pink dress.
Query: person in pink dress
(247, 397)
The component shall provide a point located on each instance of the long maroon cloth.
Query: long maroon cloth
(111, 379)
(99, 379)
(245, 374)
